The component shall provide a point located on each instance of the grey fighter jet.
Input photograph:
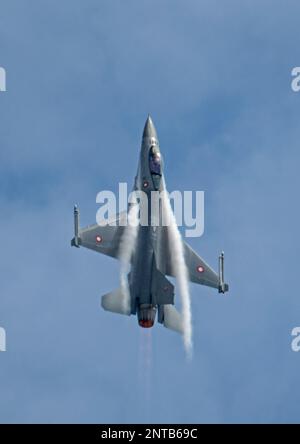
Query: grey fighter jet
(150, 292)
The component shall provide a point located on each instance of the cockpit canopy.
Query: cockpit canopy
(154, 160)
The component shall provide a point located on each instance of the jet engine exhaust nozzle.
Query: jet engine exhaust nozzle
(146, 315)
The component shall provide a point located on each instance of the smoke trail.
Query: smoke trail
(127, 246)
(180, 270)
(145, 371)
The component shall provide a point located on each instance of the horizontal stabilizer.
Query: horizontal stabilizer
(162, 290)
(115, 302)
(173, 319)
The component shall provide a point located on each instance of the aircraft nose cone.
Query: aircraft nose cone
(149, 129)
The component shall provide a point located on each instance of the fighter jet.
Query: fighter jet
(151, 294)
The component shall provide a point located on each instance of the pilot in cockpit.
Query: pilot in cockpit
(155, 161)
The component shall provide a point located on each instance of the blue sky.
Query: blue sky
(81, 78)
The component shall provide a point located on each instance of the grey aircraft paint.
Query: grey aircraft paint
(150, 291)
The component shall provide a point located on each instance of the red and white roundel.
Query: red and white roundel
(98, 239)
(200, 269)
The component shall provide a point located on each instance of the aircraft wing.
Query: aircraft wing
(199, 271)
(103, 239)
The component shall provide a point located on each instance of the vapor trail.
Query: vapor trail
(180, 270)
(126, 249)
(145, 365)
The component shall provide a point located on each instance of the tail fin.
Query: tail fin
(172, 319)
(115, 302)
